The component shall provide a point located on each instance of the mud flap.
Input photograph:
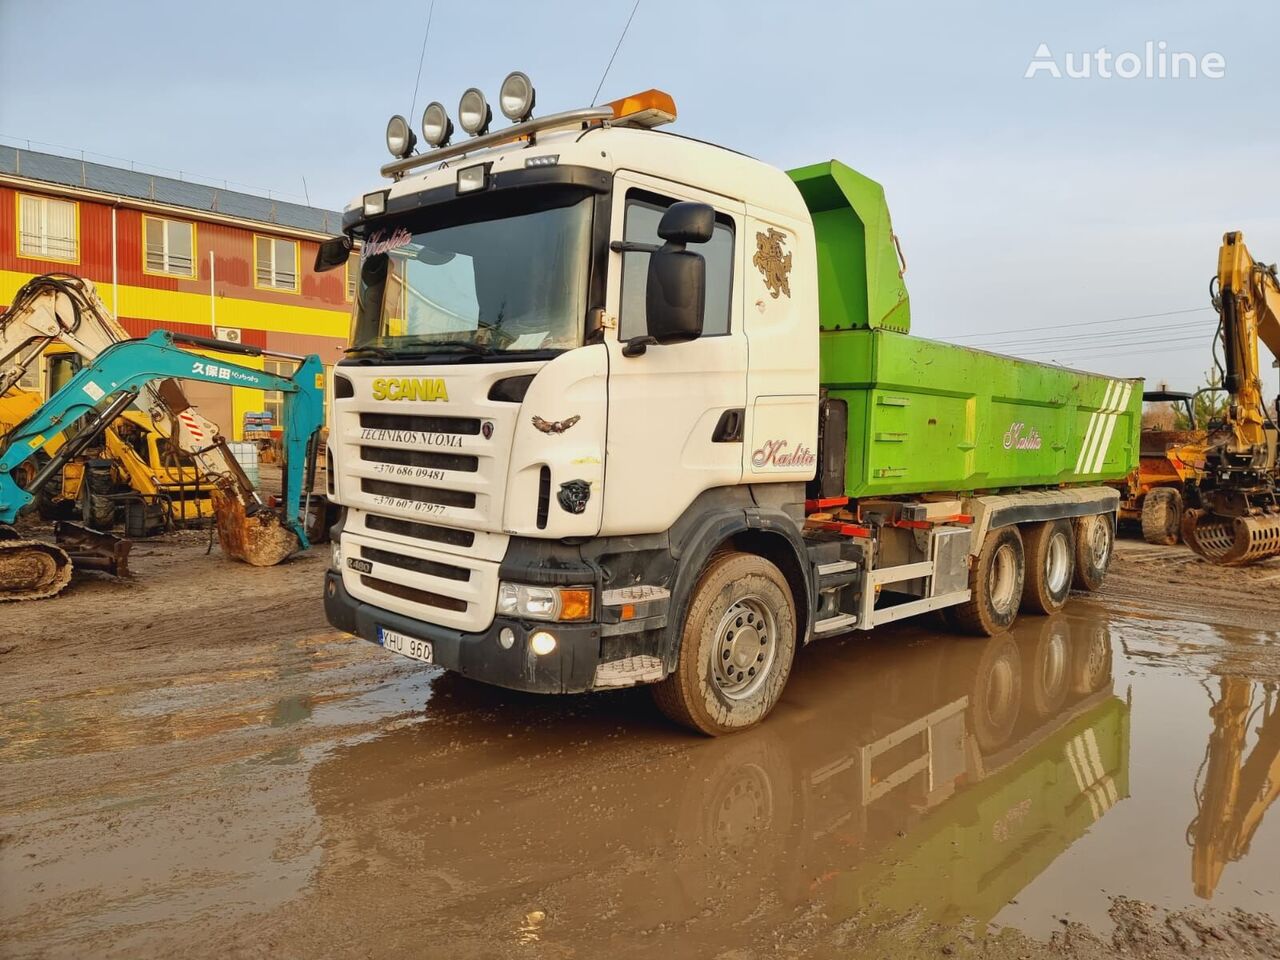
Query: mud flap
(259, 539)
(1232, 541)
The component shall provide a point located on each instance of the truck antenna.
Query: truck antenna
(421, 57)
(616, 48)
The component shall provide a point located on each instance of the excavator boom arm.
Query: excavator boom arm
(129, 367)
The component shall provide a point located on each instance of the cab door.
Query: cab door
(673, 410)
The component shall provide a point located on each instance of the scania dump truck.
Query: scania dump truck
(623, 407)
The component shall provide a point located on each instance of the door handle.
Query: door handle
(729, 426)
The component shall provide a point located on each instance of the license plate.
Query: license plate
(405, 645)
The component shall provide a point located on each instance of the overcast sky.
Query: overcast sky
(1025, 205)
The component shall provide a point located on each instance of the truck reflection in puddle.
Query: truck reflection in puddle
(933, 778)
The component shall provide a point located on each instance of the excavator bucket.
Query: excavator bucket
(1232, 541)
(260, 539)
(29, 569)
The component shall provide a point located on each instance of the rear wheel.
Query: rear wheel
(736, 647)
(1095, 543)
(996, 583)
(1051, 550)
(1162, 516)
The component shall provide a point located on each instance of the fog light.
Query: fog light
(473, 112)
(437, 128)
(507, 638)
(400, 139)
(336, 557)
(516, 97)
(542, 643)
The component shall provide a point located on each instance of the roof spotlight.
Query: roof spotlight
(516, 97)
(437, 128)
(400, 139)
(473, 112)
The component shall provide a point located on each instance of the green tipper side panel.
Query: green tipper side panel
(929, 416)
(925, 416)
(859, 278)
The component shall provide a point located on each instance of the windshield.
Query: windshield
(506, 284)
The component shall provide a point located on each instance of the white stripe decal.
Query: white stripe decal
(1086, 451)
(1111, 426)
(1093, 421)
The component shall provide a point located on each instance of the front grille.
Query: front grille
(425, 597)
(469, 426)
(407, 491)
(420, 531)
(429, 567)
(420, 458)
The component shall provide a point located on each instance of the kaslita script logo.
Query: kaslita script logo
(774, 453)
(1021, 437)
(409, 388)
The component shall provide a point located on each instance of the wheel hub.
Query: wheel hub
(746, 644)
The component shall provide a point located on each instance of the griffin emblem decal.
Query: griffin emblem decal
(555, 426)
(773, 264)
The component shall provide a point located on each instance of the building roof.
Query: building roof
(117, 181)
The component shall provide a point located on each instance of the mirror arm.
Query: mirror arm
(636, 346)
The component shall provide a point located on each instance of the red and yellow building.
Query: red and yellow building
(181, 256)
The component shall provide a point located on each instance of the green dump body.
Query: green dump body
(926, 416)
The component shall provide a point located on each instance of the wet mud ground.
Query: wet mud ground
(194, 764)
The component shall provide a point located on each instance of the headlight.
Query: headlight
(335, 558)
(400, 139)
(473, 112)
(437, 128)
(516, 97)
(544, 603)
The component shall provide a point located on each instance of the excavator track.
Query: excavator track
(31, 570)
(1232, 541)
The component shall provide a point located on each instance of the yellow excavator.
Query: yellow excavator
(64, 309)
(1238, 521)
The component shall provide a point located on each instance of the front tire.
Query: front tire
(1051, 552)
(995, 582)
(736, 647)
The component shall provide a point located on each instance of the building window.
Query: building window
(170, 247)
(273, 400)
(48, 229)
(353, 275)
(643, 211)
(276, 264)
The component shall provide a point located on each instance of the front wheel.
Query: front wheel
(736, 648)
(1162, 516)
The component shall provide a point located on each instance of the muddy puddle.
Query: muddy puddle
(911, 788)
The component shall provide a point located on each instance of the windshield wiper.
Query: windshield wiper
(479, 349)
(381, 352)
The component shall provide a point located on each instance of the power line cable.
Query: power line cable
(616, 48)
(1067, 337)
(1086, 323)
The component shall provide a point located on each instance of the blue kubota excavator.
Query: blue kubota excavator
(89, 402)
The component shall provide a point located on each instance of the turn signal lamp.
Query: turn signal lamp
(651, 108)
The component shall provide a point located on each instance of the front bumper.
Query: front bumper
(570, 668)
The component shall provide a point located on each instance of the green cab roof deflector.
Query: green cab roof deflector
(860, 282)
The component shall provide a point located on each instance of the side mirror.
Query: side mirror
(687, 222)
(676, 294)
(333, 253)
